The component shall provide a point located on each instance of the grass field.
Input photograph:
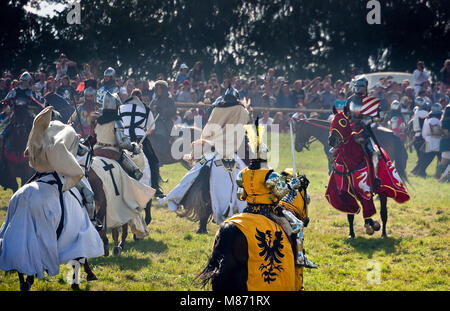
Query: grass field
(414, 256)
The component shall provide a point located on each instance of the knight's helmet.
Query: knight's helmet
(436, 111)
(110, 72)
(25, 81)
(111, 101)
(395, 105)
(90, 91)
(360, 86)
(257, 149)
(231, 96)
(421, 103)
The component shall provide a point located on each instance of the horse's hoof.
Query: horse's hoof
(117, 251)
(75, 287)
(383, 235)
(369, 229)
(106, 249)
(91, 277)
(351, 236)
(376, 225)
(25, 287)
(202, 231)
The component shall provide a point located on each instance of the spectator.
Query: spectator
(285, 99)
(186, 93)
(419, 76)
(66, 90)
(62, 65)
(328, 99)
(196, 74)
(266, 119)
(444, 146)
(270, 75)
(431, 133)
(445, 74)
(85, 73)
(340, 101)
(268, 100)
(298, 90)
(40, 82)
(182, 73)
(3, 88)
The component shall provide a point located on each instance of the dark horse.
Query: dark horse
(353, 182)
(308, 129)
(14, 143)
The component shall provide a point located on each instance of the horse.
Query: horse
(228, 266)
(353, 178)
(100, 196)
(14, 162)
(162, 145)
(319, 130)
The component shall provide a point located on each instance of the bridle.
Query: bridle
(311, 139)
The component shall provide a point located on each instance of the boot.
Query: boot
(155, 177)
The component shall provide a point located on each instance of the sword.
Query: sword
(292, 150)
(151, 125)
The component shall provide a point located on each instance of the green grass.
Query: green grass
(415, 256)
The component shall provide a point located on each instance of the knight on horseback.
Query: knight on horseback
(81, 119)
(47, 224)
(272, 194)
(361, 167)
(23, 107)
(214, 175)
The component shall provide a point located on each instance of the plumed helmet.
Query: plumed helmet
(360, 86)
(111, 101)
(109, 72)
(395, 105)
(89, 91)
(231, 96)
(25, 80)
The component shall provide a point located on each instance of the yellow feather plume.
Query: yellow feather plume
(252, 139)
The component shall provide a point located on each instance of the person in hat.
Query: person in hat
(182, 73)
(46, 224)
(431, 133)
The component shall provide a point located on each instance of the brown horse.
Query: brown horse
(13, 146)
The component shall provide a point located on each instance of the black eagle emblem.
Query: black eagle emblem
(271, 252)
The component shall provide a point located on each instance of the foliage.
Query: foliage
(297, 38)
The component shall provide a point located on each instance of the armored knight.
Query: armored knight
(111, 139)
(364, 113)
(266, 191)
(81, 118)
(108, 84)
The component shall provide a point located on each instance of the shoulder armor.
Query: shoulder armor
(272, 179)
(239, 179)
(11, 94)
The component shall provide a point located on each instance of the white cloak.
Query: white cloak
(28, 239)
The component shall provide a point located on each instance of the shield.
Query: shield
(61, 105)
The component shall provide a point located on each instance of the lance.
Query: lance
(146, 134)
(375, 140)
(292, 149)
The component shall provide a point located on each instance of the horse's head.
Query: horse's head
(340, 130)
(301, 136)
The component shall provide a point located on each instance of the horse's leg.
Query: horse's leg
(351, 218)
(76, 274)
(115, 235)
(90, 275)
(100, 202)
(148, 213)
(202, 225)
(383, 214)
(124, 237)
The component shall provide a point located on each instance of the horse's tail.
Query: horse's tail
(197, 200)
(222, 268)
(401, 157)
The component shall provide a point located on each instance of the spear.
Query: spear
(292, 149)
